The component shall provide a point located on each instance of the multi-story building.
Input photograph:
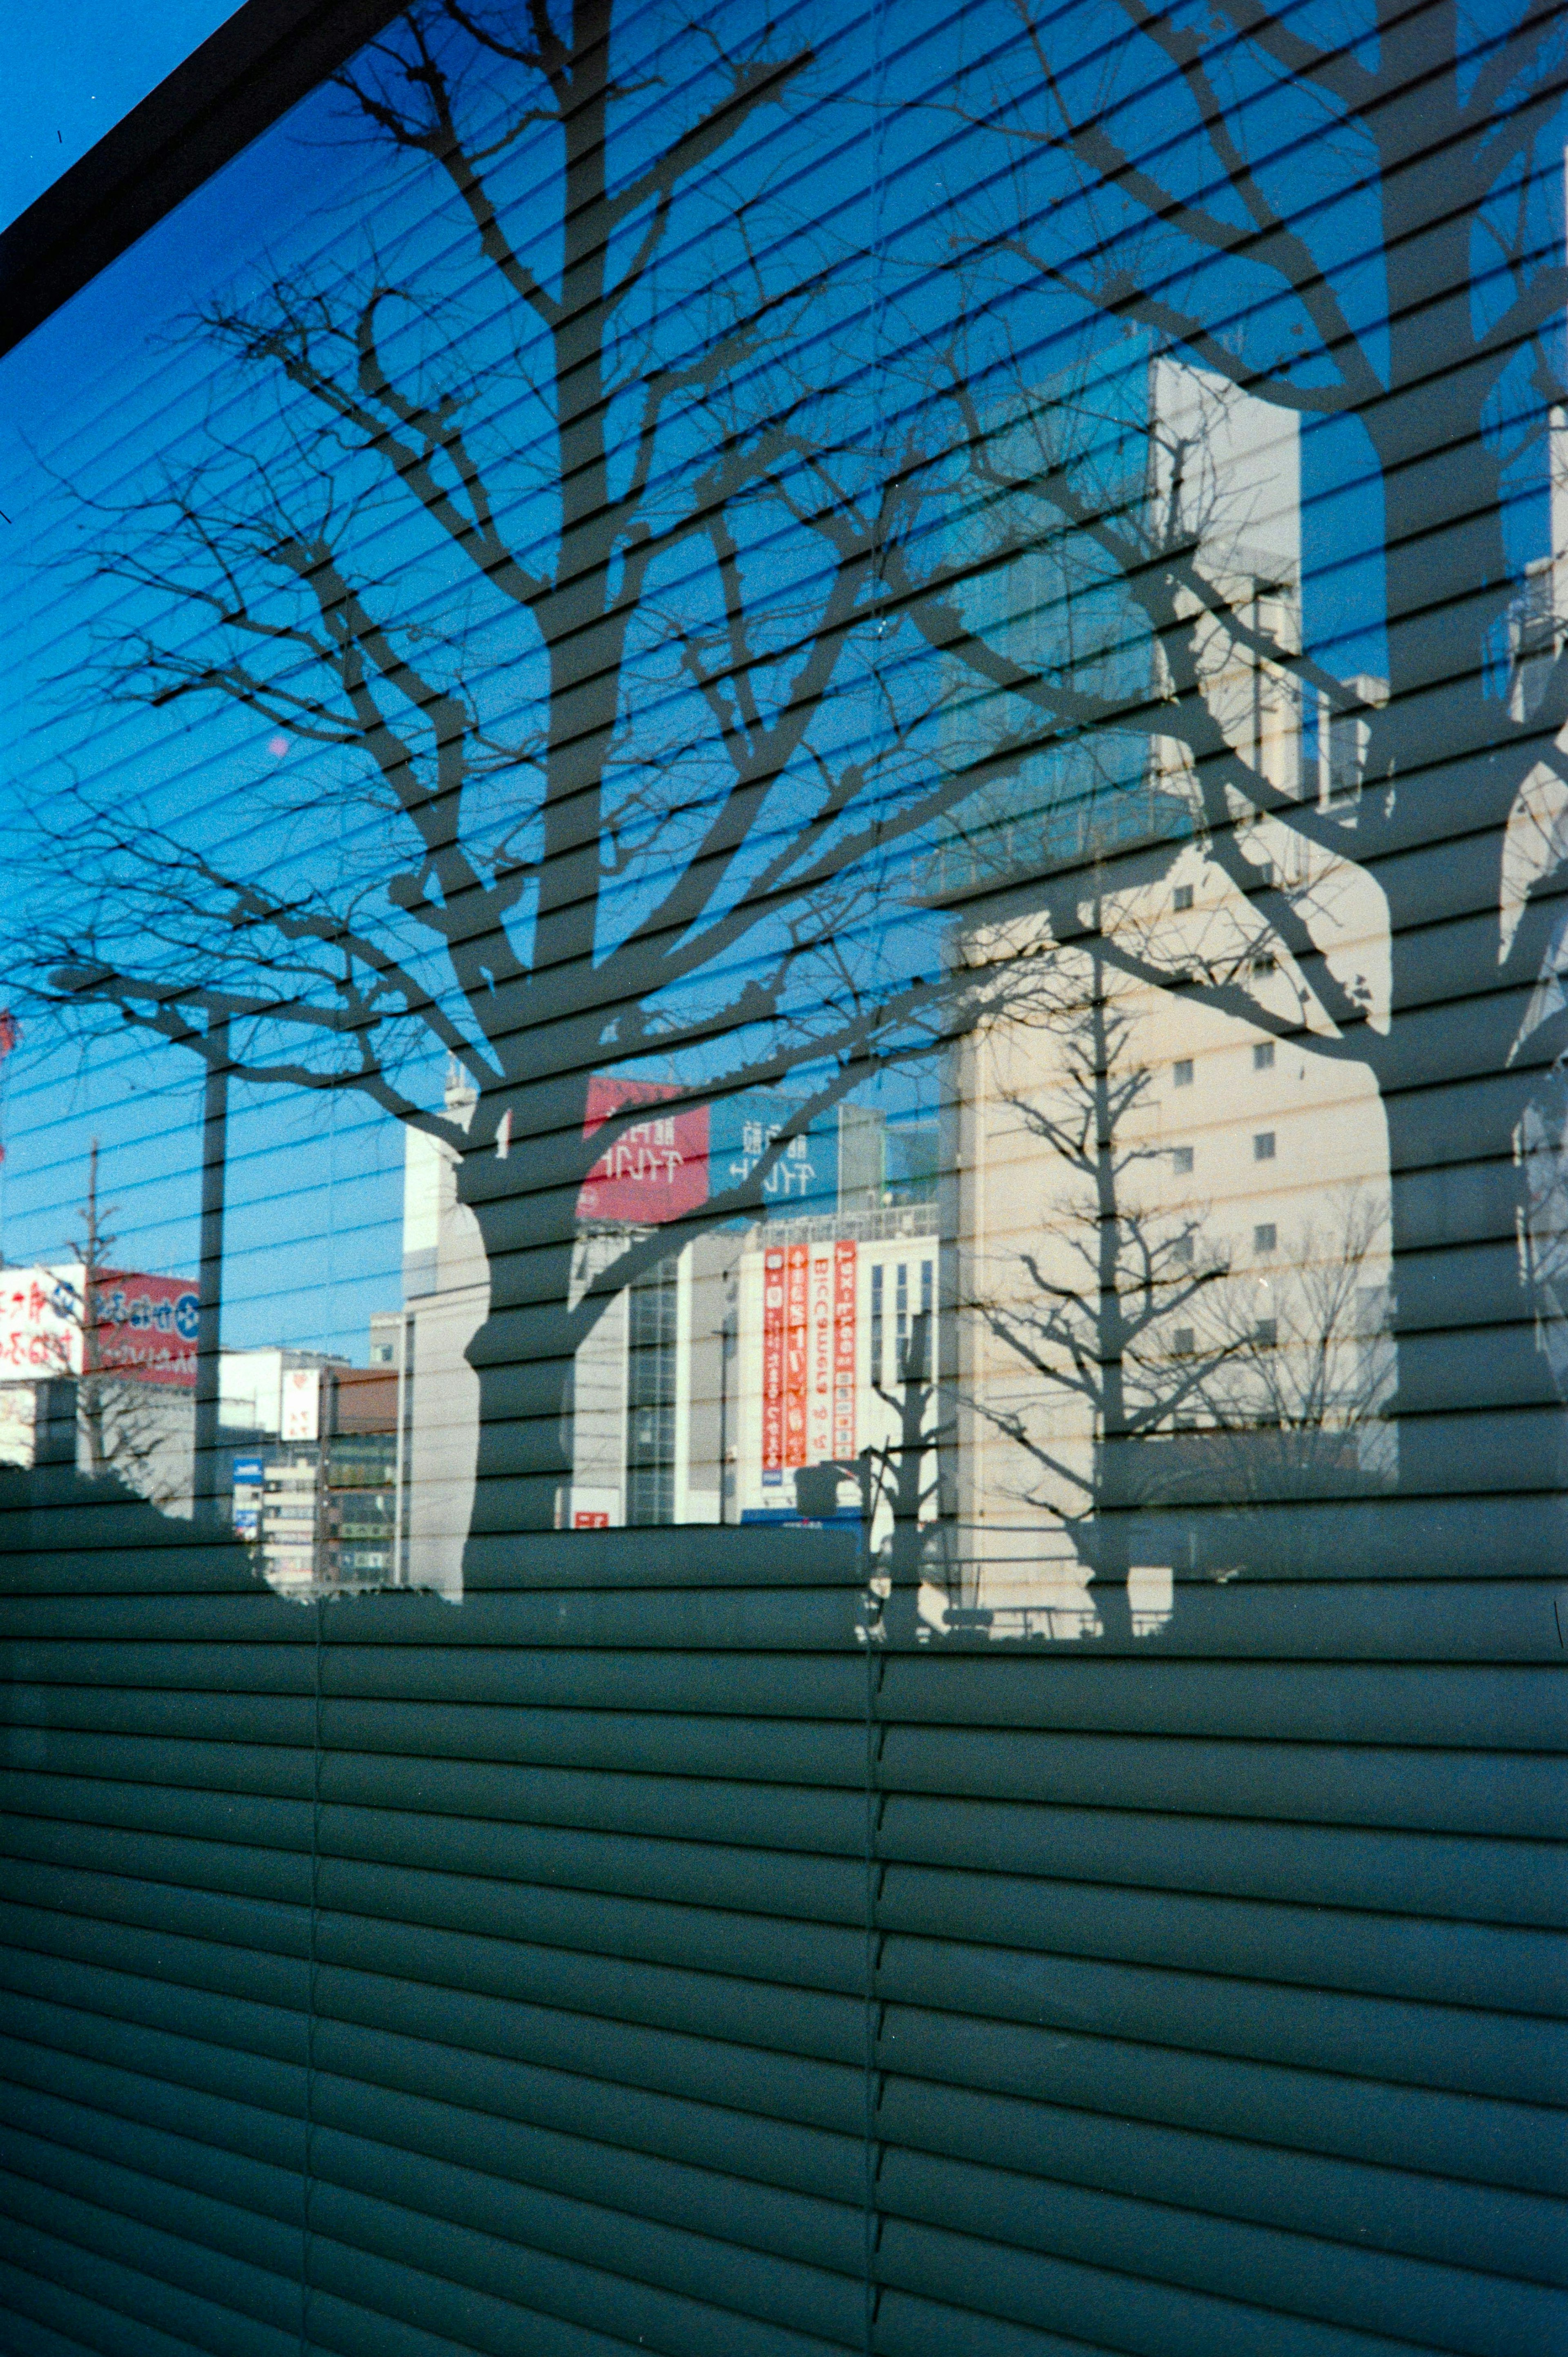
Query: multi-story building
(436, 1399)
(306, 1447)
(309, 1458)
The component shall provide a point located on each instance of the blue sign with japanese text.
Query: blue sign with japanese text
(802, 1178)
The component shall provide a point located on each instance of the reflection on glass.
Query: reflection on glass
(807, 892)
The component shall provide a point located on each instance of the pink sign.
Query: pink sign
(655, 1169)
(819, 1359)
(144, 1326)
(147, 1326)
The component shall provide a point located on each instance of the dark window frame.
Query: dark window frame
(269, 55)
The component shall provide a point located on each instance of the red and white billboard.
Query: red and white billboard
(809, 1357)
(147, 1325)
(654, 1169)
(40, 1323)
(822, 1324)
(140, 1326)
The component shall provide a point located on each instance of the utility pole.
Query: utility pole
(91, 1351)
(210, 1277)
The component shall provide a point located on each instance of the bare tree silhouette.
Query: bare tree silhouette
(125, 1424)
(1428, 327)
(551, 555)
(905, 1476)
(1293, 1405)
(1111, 1311)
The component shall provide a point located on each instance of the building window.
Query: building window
(1266, 1333)
(1265, 873)
(1261, 966)
(1265, 1237)
(915, 1356)
(1263, 1146)
(1181, 899)
(1181, 1250)
(650, 1396)
(1181, 1160)
(1183, 1342)
(1263, 1056)
(1181, 1072)
(1373, 1307)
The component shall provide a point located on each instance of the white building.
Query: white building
(447, 1292)
(652, 1420)
(829, 1314)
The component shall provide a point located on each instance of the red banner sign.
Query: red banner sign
(655, 1169)
(147, 1325)
(819, 1387)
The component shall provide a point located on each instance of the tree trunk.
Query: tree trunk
(1112, 1543)
(524, 1357)
(907, 1494)
(522, 1188)
(205, 1485)
(1480, 1429)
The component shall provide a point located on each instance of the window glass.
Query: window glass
(621, 778)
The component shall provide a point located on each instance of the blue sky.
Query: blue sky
(72, 72)
(315, 1189)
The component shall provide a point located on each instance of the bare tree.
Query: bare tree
(555, 557)
(902, 1480)
(1416, 308)
(1294, 1408)
(1110, 1311)
(127, 1426)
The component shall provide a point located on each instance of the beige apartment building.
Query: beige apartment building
(1232, 1149)
(1241, 1168)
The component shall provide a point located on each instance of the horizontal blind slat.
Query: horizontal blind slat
(44, 2313)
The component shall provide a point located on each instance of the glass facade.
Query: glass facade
(782, 1326)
